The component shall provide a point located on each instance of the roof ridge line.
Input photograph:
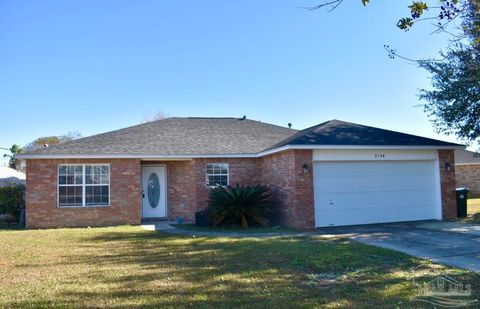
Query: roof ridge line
(209, 117)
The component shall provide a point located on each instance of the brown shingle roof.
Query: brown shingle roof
(179, 136)
(227, 136)
(337, 132)
(467, 157)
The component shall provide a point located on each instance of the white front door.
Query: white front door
(349, 193)
(154, 197)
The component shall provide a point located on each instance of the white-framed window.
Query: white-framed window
(217, 174)
(83, 185)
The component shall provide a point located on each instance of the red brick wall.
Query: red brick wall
(186, 181)
(187, 191)
(303, 202)
(278, 175)
(468, 176)
(181, 197)
(183, 201)
(41, 196)
(241, 171)
(181, 189)
(447, 181)
(292, 189)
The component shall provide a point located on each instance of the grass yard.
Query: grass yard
(127, 267)
(473, 205)
(473, 210)
(193, 227)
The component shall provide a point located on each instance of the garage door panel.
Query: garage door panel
(373, 192)
(373, 216)
(374, 183)
(388, 196)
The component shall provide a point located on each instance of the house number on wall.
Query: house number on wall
(379, 155)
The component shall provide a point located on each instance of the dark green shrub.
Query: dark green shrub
(12, 199)
(240, 204)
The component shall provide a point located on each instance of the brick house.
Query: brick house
(467, 171)
(335, 173)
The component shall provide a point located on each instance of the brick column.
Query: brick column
(447, 183)
(303, 199)
(292, 189)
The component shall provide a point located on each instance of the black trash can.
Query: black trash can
(202, 218)
(462, 195)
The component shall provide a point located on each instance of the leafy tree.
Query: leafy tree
(12, 199)
(36, 144)
(12, 162)
(51, 140)
(454, 102)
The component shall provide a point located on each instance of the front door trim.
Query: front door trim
(165, 188)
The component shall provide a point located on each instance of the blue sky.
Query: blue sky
(95, 66)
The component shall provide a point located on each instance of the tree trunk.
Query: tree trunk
(243, 221)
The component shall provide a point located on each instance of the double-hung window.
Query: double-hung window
(217, 174)
(81, 185)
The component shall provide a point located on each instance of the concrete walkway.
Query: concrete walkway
(451, 243)
(166, 227)
(457, 227)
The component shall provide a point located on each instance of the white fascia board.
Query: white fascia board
(287, 147)
(246, 155)
(127, 156)
(474, 163)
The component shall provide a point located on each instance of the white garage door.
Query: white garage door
(348, 193)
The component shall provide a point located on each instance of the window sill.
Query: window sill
(89, 206)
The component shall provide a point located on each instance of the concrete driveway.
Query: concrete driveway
(451, 243)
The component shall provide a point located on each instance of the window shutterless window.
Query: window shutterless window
(217, 174)
(82, 185)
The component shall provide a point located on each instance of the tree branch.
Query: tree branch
(333, 3)
(392, 54)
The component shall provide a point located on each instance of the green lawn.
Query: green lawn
(127, 267)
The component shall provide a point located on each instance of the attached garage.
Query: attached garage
(334, 173)
(375, 186)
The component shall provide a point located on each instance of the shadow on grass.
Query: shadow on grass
(133, 269)
(250, 230)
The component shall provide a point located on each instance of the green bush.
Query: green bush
(12, 199)
(242, 205)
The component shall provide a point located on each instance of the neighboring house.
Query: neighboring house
(9, 176)
(335, 173)
(467, 171)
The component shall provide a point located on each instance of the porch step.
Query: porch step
(153, 219)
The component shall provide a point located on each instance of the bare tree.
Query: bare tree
(154, 116)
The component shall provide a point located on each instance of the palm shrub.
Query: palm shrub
(239, 204)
